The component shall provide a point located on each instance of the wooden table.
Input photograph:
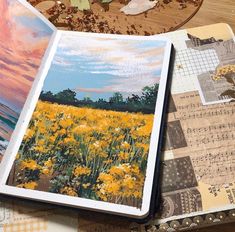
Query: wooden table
(163, 18)
(167, 15)
(212, 11)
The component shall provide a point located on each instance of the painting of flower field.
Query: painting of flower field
(89, 134)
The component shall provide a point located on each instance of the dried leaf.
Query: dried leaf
(135, 7)
(81, 4)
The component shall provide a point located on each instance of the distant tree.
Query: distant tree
(144, 102)
(66, 96)
(117, 98)
(46, 96)
(87, 100)
(149, 95)
(101, 100)
(134, 99)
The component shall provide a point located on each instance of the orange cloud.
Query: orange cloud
(5, 28)
(21, 52)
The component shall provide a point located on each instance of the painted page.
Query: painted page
(90, 137)
(24, 40)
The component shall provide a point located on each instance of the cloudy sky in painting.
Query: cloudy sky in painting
(23, 41)
(97, 67)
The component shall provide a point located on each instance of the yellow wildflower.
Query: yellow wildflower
(86, 185)
(79, 171)
(45, 171)
(106, 139)
(48, 163)
(115, 170)
(123, 155)
(125, 145)
(69, 140)
(61, 132)
(69, 191)
(29, 134)
(28, 185)
(105, 177)
(113, 188)
(29, 164)
(65, 123)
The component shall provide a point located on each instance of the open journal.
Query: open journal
(80, 114)
(198, 169)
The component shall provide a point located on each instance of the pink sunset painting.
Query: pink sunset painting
(24, 38)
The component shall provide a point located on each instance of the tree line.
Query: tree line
(145, 102)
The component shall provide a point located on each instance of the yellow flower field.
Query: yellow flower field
(90, 153)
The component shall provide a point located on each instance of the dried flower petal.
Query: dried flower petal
(135, 7)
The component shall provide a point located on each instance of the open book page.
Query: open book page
(198, 167)
(25, 44)
(43, 219)
(91, 138)
(198, 170)
(24, 41)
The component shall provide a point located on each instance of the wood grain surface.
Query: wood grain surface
(212, 11)
(167, 15)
